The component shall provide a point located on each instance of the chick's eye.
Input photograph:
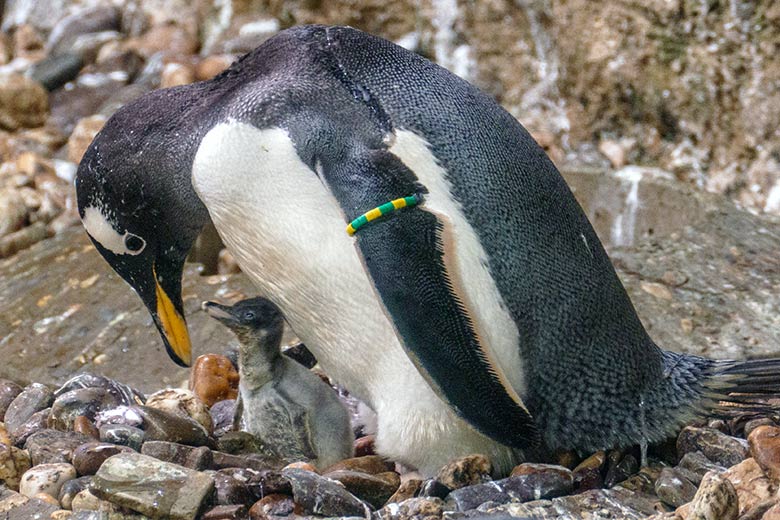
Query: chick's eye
(249, 315)
(134, 243)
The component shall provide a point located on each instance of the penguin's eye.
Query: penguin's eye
(249, 315)
(134, 243)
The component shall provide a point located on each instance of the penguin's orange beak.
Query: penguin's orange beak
(173, 328)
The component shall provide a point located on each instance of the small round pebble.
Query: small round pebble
(47, 498)
(82, 424)
(46, 478)
(272, 506)
(181, 402)
(88, 458)
(764, 442)
(129, 436)
(673, 488)
(466, 471)
(214, 378)
(716, 499)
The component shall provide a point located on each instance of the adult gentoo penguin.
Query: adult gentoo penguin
(482, 317)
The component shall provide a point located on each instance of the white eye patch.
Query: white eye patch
(101, 230)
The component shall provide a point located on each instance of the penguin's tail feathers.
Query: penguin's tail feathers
(736, 388)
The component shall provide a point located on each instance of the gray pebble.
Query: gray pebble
(715, 445)
(673, 488)
(33, 398)
(197, 458)
(129, 436)
(49, 446)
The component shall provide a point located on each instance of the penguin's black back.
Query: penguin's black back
(586, 355)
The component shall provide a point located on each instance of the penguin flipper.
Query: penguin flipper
(285, 426)
(300, 420)
(404, 256)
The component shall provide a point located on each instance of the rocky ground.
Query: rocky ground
(95, 448)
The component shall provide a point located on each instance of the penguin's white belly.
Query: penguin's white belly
(287, 232)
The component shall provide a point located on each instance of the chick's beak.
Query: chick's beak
(173, 328)
(219, 312)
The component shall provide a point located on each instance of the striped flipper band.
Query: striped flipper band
(377, 212)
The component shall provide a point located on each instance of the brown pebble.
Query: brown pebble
(4, 437)
(14, 462)
(28, 43)
(31, 164)
(272, 506)
(166, 38)
(47, 498)
(408, 489)
(374, 489)
(210, 66)
(301, 465)
(587, 475)
(716, 499)
(83, 134)
(214, 378)
(18, 240)
(371, 464)
(176, 74)
(764, 443)
(23, 102)
(365, 446)
(229, 512)
(82, 424)
(755, 423)
(88, 457)
(465, 471)
(751, 484)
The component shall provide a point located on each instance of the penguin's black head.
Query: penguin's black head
(138, 206)
(252, 320)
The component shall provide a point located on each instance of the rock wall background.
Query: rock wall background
(692, 86)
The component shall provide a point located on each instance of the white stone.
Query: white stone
(46, 478)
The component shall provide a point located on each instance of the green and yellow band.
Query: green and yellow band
(377, 212)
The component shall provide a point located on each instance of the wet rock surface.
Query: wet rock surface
(54, 330)
(197, 458)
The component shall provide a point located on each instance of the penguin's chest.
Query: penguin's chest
(287, 233)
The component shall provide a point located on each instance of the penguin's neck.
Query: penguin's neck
(258, 358)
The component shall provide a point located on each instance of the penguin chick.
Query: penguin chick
(283, 404)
